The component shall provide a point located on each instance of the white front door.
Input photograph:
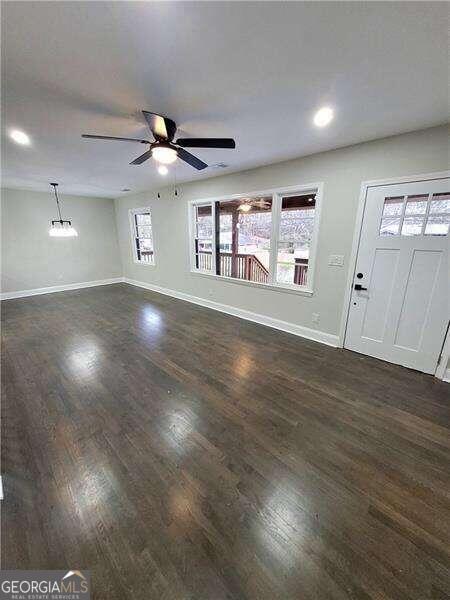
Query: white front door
(399, 307)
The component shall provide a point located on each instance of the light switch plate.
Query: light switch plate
(336, 260)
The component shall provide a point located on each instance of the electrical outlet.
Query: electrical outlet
(315, 318)
(336, 260)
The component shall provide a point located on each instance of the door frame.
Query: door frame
(365, 186)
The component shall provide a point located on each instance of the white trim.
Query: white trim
(407, 179)
(290, 289)
(59, 288)
(1, 487)
(132, 212)
(274, 237)
(441, 370)
(303, 187)
(311, 334)
(276, 194)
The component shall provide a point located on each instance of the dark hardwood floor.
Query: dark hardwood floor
(179, 453)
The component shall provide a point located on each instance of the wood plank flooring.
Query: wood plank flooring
(183, 454)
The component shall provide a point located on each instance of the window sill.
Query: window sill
(298, 290)
(143, 264)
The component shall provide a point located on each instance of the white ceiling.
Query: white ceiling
(253, 71)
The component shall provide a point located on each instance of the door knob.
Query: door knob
(359, 287)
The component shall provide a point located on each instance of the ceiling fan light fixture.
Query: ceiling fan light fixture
(163, 170)
(164, 150)
(164, 154)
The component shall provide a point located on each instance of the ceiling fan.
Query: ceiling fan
(164, 150)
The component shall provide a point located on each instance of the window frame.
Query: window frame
(277, 195)
(133, 231)
(192, 205)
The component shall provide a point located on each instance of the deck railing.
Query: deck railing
(245, 266)
(145, 255)
(204, 261)
(249, 267)
(301, 271)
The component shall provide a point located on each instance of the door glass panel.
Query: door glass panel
(393, 206)
(390, 226)
(392, 214)
(437, 225)
(416, 205)
(440, 203)
(412, 225)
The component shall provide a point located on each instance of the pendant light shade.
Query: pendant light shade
(62, 229)
(59, 227)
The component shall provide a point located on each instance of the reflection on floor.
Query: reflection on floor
(180, 453)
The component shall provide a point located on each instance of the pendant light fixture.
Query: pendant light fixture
(61, 228)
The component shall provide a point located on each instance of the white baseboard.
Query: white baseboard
(59, 288)
(305, 332)
(446, 376)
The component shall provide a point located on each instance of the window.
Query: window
(294, 240)
(244, 238)
(142, 236)
(265, 238)
(416, 215)
(203, 238)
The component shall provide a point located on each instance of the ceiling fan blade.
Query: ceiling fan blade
(142, 158)
(191, 159)
(206, 142)
(162, 128)
(108, 137)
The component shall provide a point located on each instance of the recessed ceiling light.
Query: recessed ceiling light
(323, 116)
(163, 170)
(20, 137)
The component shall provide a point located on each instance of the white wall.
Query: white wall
(32, 259)
(342, 172)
